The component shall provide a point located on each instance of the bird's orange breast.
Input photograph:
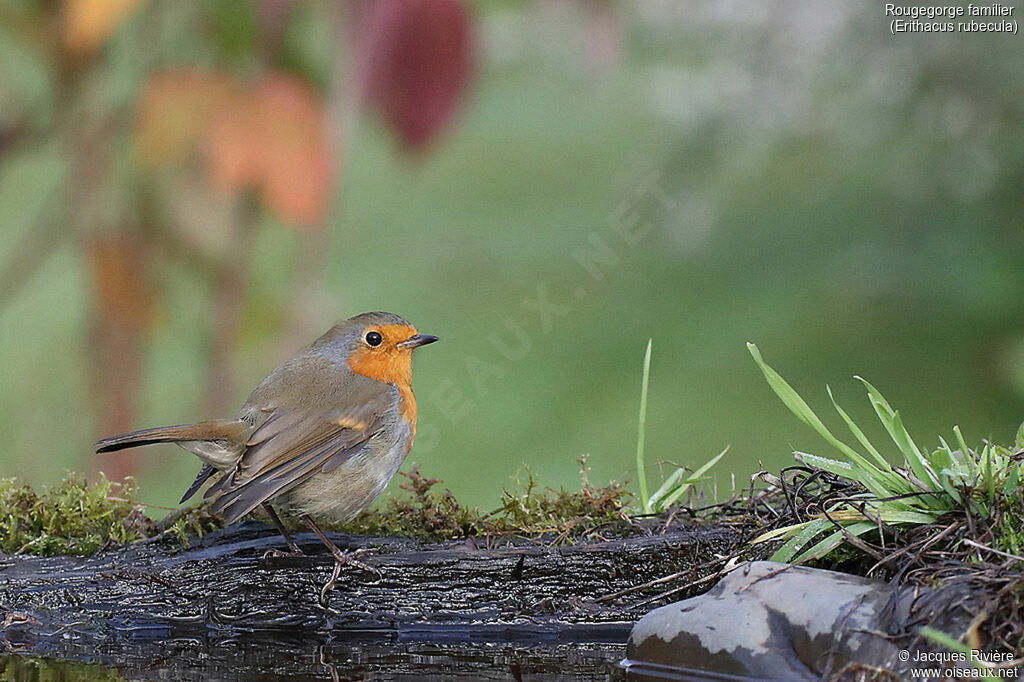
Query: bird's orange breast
(391, 365)
(408, 410)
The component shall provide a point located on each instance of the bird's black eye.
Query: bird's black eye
(374, 339)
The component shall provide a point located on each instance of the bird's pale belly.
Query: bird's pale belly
(343, 493)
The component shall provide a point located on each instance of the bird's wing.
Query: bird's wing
(290, 446)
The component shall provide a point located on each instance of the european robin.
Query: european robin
(323, 434)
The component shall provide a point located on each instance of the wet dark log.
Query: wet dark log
(127, 606)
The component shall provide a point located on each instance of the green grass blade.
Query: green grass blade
(884, 481)
(879, 484)
(668, 485)
(1001, 458)
(693, 479)
(1012, 481)
(779, 532)
(791, 399)
(890, 419)
(901, 516)
(946, 468)
(924, 470)
(834, 540)
(795, 543)
(986, 472)
(798, 407)
(969, 455)
(641, 471)
(859, 435)
(978, 466)
(832, 466)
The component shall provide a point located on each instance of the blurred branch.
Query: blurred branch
(28, 255)
(119, 314)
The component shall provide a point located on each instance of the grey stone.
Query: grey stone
(766, 620)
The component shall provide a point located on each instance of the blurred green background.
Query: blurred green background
(701, 173)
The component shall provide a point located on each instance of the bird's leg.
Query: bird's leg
(340, 559)
(293, 549)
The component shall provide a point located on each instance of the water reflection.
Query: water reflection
(249, 658)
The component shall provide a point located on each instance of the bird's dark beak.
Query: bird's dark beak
(417, 341)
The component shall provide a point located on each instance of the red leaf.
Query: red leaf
(417, 57)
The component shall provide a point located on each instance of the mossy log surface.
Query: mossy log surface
(134, 602)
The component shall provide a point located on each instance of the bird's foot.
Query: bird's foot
(342, 559)
(349, 559)
(283, 554)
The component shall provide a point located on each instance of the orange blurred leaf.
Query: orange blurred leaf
(174, 113)
(298, 184)
(88, 24)
(419, 60)
(274, 139)
(270, 137)
(233, 142)
(297, 168)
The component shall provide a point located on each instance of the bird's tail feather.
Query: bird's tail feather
(228, 430)
(201, 478)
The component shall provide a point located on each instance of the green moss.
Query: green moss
(527, 509)
(530, 508)
(73, 518)
(76, 518)
(191, 522)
